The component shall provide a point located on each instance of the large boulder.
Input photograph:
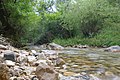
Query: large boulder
(4, 72)
(45, 72)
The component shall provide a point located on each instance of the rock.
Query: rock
(3, 47)
(31, 59)
(69, 73)
(9, 63)
(53, 46)
(49, 52)
(34, 78)
(108, 73)
(65, 66)
(22, 58)
(36, 47)
(1, 53)
(29, 70)
(21, 78)
(38, 55)
(45, 72)
(113, 49)
(1, 59)
(53, 57)
(35, 53)
(24, 52)
(94, 77)
(9, 55)
(13, 49)
(80, 46)
(75, 66)
(13, 78)
(41, 56)
(60, 62)
(62, 70)
(16, 71)
(4, 72)
(36, 63)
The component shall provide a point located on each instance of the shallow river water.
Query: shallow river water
(92, 62)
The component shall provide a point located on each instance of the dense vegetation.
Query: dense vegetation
(69, 22)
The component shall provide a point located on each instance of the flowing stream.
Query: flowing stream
(97, 63)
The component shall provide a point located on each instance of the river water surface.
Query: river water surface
(92, 61)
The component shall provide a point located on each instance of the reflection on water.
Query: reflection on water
(105, 65)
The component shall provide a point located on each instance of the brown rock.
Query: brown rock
(45, 72)
(60, 62)
(4, 72)
(69, 73)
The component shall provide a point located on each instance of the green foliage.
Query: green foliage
(85, 17)
(92, 22)
(95, 22)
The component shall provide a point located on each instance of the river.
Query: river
(92, 62)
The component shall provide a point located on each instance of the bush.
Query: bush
(96, 23)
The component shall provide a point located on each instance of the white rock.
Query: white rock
(64, 66)
(13, 78)
(40, 61)
(3, 47)
(74, 66)
(33, 51)
(24, 52)
(31, 58)
(9, 63)
(22, 58)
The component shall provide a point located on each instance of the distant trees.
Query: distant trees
(26, 21)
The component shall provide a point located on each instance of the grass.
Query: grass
(107, 37)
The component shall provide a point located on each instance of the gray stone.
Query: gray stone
(9, 55)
